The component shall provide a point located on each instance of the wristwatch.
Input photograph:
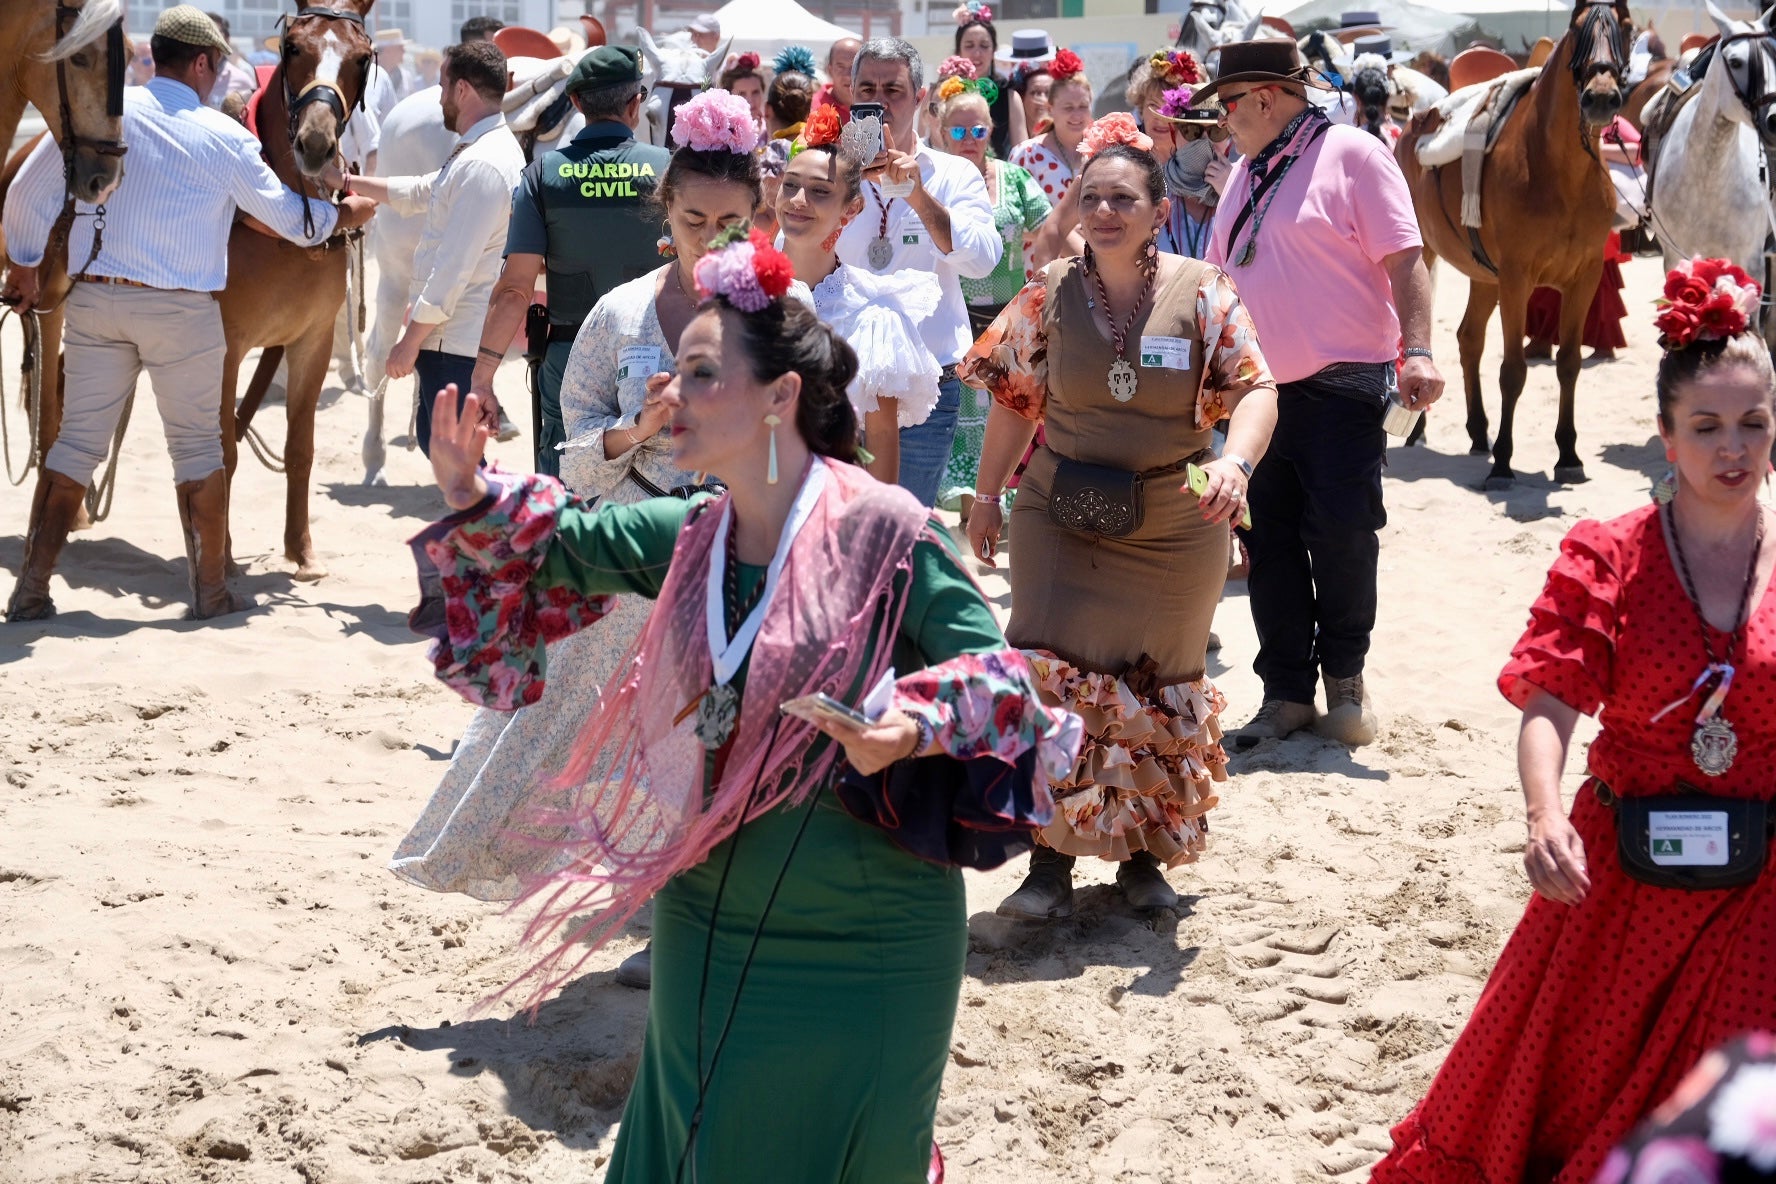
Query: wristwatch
(1244, 465)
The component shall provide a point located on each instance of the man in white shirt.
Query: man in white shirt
(415, 143)
(467, 205)
(143, 298)
(924, 210)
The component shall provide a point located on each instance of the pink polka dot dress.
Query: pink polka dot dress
(1595, 1012)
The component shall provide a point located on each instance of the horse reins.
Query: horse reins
(318, 91)
(71, 142)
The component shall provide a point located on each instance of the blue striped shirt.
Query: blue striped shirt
(167, 224)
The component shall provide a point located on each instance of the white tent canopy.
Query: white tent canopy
(766, 26)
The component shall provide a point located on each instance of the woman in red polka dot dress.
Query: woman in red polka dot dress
(1053, 157)
(1612, 988)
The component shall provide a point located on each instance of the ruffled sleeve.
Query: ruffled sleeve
(1010, 361)
(498, 616)
(879, 316)
(1234, 364)
(1569, 648)
(986, 705)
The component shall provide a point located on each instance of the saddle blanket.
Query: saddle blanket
(1444, 146)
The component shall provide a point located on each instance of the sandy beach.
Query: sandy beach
(207, 973)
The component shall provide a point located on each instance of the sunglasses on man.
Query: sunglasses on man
(979, 131)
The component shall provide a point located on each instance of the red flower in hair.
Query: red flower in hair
(775, 271)
(747, 62)
(1065, 65)
(1705, 299)
(823, 128)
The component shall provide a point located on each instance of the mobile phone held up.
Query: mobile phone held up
(871, 111)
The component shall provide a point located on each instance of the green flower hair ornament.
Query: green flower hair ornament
(986, 88)
(798, 58)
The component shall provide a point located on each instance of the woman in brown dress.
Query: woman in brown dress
(1129, 357)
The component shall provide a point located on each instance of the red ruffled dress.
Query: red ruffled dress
(1594, 1013)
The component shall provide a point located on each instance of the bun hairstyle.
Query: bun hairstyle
(790, 97)
(715, 138)
(1704, 324)
(747, 279)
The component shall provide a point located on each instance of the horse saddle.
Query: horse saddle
(1466, 125)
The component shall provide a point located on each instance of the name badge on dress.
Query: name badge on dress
(637, 361)
(1165, 353)
(1687, 838)
(910, 238)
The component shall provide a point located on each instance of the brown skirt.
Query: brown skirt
(1118, 630)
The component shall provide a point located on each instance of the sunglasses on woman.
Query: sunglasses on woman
(1195, 131)
(979, 131)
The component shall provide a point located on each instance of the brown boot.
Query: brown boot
(54, 508)
(203, 510)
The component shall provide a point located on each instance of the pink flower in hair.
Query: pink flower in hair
(1117, 128)
(716, 120)
(956, 66)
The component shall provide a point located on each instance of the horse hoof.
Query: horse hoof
(376, 478)
(1570, 474)
(1479, 450)
(1496, 483)
(309, 570)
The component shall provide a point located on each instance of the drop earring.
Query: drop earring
(664, 243)
(771, 468)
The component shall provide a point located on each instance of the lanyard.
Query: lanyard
(727, 658)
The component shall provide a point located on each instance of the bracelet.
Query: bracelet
(1419, 351)
(1239, 462)
(498, 355)
(990, 499)
(922, 740)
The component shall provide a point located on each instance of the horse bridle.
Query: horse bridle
(71, 141)
(1584, 33)
(317, 90)
(1754, 72)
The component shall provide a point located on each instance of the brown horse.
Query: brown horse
(1547, 205)
(280, 295)
(68, 60)
(1658, 74)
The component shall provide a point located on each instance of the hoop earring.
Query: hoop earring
(771, 468)
(664, 243)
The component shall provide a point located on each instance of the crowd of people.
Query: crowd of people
(730, 665)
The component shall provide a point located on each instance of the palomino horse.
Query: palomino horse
(280, 294)
(1547, 205)
(68, 60)
(1710, 192)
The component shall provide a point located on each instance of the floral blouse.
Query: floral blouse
(1010, 361)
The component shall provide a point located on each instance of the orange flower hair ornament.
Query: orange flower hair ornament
(1116, 128)
(822, 130)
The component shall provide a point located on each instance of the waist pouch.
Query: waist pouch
(1096, 499)
(1365, 382)
(1690, 840)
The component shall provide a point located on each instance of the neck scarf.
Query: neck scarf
(634, 800)
(1185, 172)
(1267, 170)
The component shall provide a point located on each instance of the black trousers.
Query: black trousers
(1316, 510)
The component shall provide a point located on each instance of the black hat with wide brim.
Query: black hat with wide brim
(1267, 61)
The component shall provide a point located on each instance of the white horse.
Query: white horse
(1710, 195)
(1210, 24)
(677, 70)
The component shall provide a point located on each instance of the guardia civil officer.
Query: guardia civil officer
(584, 215)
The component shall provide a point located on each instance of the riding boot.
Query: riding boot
(1047, 892)
(203, 511)
(54, 507)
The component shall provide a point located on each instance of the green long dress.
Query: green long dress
(831, 1072)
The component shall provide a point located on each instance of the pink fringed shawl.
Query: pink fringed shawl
(636, 810)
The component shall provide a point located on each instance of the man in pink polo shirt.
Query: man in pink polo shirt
(1317, 230)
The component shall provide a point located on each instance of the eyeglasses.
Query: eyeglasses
(979, 131)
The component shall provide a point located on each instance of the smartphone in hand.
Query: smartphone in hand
(824, 708)
(860, 112)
